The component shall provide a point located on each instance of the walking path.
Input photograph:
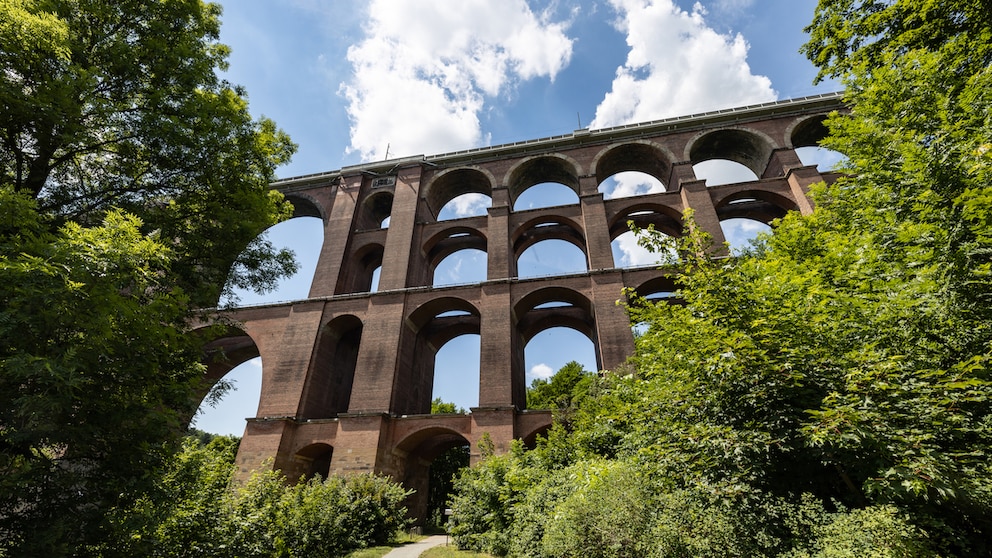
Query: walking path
(414, 550)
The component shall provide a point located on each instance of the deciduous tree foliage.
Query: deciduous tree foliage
(118, 105)
(131, 178)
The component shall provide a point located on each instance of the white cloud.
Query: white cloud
(425, 68)
(676, 65)
(629, 183)
(634, 254)
(542, 371)
(468, 205)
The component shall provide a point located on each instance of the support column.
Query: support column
(396, 255)
(800, 179)
(696, 196)
(781, 162)
(599, 252)
(337, 231)
(501, 263)
(498, 424)
(501, 379)
(615, 339)
(285, 365)
(379, 357)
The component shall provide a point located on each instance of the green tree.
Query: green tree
(134, 185)
(95, 373)
(565, 386)
(118, 105)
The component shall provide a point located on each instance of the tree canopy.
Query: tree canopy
(134, 185)
(119, 105)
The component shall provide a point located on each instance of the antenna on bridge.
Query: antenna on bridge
(386, 158)
(579, 118)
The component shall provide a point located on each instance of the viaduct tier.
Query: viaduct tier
(348, 373)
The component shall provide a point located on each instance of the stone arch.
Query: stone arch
(226, 345)
(664, 218)
(659, 284)
(539, 169)
(807, 132)
(305, 205)
(310, 461)
(578, 315)
(529, 437)
(426, 332)
(451, 183)
(327, 391)
(357, 278)
(415, 453)
(640, 155)
(758, 205)
(374, 209)
(450, 240)
(547, 227)
(751, 148)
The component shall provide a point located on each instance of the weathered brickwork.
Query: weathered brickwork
(348, 374)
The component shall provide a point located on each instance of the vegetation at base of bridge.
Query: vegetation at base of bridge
(827, 393)
(197, 509)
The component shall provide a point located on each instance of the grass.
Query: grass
(452, 552)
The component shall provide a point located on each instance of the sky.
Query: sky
(354, 81)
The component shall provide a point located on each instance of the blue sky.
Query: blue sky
(358, 81)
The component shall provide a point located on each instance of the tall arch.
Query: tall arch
(328, 389)
(640, 156)
(540, 169)
(746, 147)
(358, 276)
(428, 328)
(451, 183)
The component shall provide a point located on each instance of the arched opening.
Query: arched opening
(465, 205)
(659, 290)
(304, 236)
(430, 459)
(461, 267)
(627, 253)
(554, 347)
(456, 370)
(723, 171)
(630, 183)
(232, 383)
(374, 282)
(826, 160)
(237, 401)
(455, 255)
(362, 273)
(551, 257)
(545, 194)
(375, 211)
(634, 168)
(747, 148)
(741, 233)
(328, 389)
(550, 173)
(313, 460)
(459, 193)
(626, 250)
(432, 326)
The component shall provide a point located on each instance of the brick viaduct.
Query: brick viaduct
(347, 374)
